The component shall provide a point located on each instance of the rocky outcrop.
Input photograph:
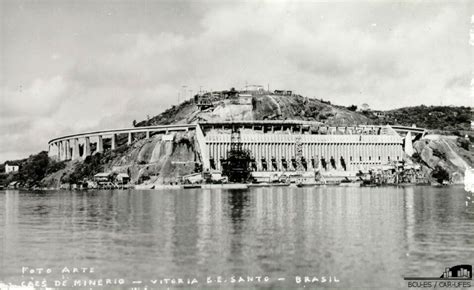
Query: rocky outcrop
(444, 151)
(159, 159)
(260, 107)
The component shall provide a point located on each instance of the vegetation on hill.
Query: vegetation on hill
(156, 158)
(262, 107)
(32, 170)
(432, 117)
(440, 174)
(282, 107)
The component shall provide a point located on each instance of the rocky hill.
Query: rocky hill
(260, 107)
(156, 160)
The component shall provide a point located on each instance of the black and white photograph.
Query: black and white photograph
(204, 144)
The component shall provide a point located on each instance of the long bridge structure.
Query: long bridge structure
(275, 145)
(69, 147)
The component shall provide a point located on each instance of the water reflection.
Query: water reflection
(367, 237)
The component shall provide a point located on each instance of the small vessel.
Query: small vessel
(225, 186)
(188, 186)
(280, 184)
(263, 184)
(350, 184)
(305, 184)
(308, 183)
(332, 182)
(368, 183)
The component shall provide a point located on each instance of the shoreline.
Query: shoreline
(161, 187)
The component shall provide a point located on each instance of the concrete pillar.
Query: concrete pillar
(147, 134)
(409, 144)
(113, 142)
(219, 155)
(63, 151)
(60, 151)
(280, 156)
(100, 144)
(75, 149)
(58, 148)
(87, 148)
(68, 150)
(129, 142)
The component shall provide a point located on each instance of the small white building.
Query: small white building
(11, 168)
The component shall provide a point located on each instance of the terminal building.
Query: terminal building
(274, 146)
(303, 146)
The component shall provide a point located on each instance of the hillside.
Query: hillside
(430, 117)
(260, 107)
(157, 160)
(296, 107)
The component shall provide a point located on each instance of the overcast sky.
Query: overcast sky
(72, 66)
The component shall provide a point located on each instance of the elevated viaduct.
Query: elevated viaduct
(275, 145)
(78, 146)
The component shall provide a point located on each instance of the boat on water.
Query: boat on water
(469, 180)
(309, 183)
(280, 184)
(368, 183)
(188, 186)
(332, 182)
(351, 184)
(263, 184)
(225, 186)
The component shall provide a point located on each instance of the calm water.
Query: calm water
(365, 237)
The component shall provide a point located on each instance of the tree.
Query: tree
(440, 174)
(464, 143)
(352, 108)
